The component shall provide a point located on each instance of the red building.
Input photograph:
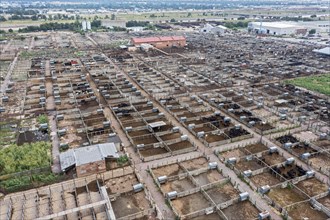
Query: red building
(161, 42)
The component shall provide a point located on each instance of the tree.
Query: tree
(152, 16)
(189, 14)
(313, 16)
(113, 17)
(107, 17)
(241, 18)
(10, 30)
(172, 20)
(34, 18)
(2, 18)
(312, 31)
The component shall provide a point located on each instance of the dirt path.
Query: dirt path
(5, 83)
(51, 112)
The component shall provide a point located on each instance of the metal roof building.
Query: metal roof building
(324, 51)
(86, 155)
(160, 42)
(276, 28)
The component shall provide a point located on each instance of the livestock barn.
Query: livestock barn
(160, 42)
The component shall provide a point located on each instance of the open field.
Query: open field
(319, 83)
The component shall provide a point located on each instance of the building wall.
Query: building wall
(166, 44)
(91, 168)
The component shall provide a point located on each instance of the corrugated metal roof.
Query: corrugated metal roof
(67, 159)
(89, 154)
(156, 39)
(157, 124)
(325, 51)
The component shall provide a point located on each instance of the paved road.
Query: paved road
(5, 83)
(51, 112)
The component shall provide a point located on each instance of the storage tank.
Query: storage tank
(247, 173)
(273, 149)
(243, 196)
(252, 123)
(213, 165)
(231, 160)
(184, 137)
(264, 189)
(305, 156)
(310, 173)
(227, 119)
(99, 111)
(43, 126)
(138, 187)
(200, 134)
(5, 99)
(162, 179)
(282, 116)
(106, 124)
(172, 195)
(323, 136)
(263, 215)
(237, 127)
(288, 145)
(191, 126)
(289, 161)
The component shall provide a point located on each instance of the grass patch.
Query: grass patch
(320, 83)
(26, 157)
(42, 119)
(30, 181)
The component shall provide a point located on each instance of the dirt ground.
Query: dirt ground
(195, 164)
(325, 201)
(121, 184)
(169, 170)
(233, 153)
(285, 196)
(139, 133)
(210, 138)
(222, 193)
(191, 203)
(264, 179)
(153, 151)
(252, 165)
(306, 136)
(170, 136)
(208, 177)
(256, 148)
(242, 210)
(180, 145)
(146, 140)
(312, 186)
(129, 204)
(305, 211)
(320, 161)
(177, 185)
(272, 159)
(212, 216)
(323, 144)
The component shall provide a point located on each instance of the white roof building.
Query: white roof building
(324, 51)
(276, 28)
(208, 28)
(86, 155)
